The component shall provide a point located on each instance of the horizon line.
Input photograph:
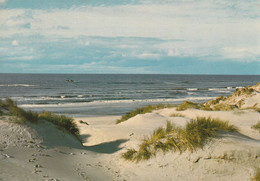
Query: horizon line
(130, 74)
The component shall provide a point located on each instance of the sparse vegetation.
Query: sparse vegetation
(62, 121)
(209, 106)
(256, 177)
(188, 105)
(193, 136)
(257, 109)
(177, 115)
(216, 101)
(244, 91)
(238, 112)
(21, 115)
(9, 107)
(256, 126)
(142, 110)
(223, 107)
(130, 154)
(206, 107)
(83, 122)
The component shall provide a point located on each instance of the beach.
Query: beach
(40, 151)
(132, 90)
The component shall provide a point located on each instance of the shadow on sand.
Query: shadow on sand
(107, 147)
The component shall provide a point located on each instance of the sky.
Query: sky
(130, 36)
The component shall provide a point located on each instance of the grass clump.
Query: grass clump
(61, 121)
(10, 108)
(198, 131)
(208, 106)
(217, 100)
(142, 110)
(177, 115)
(130, 154)
(256, 126)
(193, 136)
(223, 107)
(256, 177)
(188, 105)
(244, 91)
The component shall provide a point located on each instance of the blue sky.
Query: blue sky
(130, 36)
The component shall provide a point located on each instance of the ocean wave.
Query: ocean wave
(106, 102)
(220, 89)
(47, 98)
(192, 89)
(209, 89)
(17, 85)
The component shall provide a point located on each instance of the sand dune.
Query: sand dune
(228, 157)
(42, 152)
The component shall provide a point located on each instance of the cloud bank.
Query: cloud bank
(136, 30)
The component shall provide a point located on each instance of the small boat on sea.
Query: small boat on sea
(69, 80)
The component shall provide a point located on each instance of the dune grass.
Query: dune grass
(244, 91)
(188, 105)
(142, 110)
(256, 177)
(193, 136)
(130, 154)
(61, 121)
(256, 126)
(223, 107)
(10, 108)
(177, 115)
(21, 115)
(257, 109)
(206, 107)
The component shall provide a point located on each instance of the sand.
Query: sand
(229, 157)
(42, 152)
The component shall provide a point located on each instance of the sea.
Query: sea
(86, 95)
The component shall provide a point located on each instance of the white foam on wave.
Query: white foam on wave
(224, 91)
(17, 85)
(220, 89)
(45, 98)
(107, 102)
(192, 89)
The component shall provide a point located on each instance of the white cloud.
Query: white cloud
(242, 53)
(87, 43)
(89, 68)
(146, 55)
(20, 58)
(205, 26)
(173, 53)
(15, 43)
